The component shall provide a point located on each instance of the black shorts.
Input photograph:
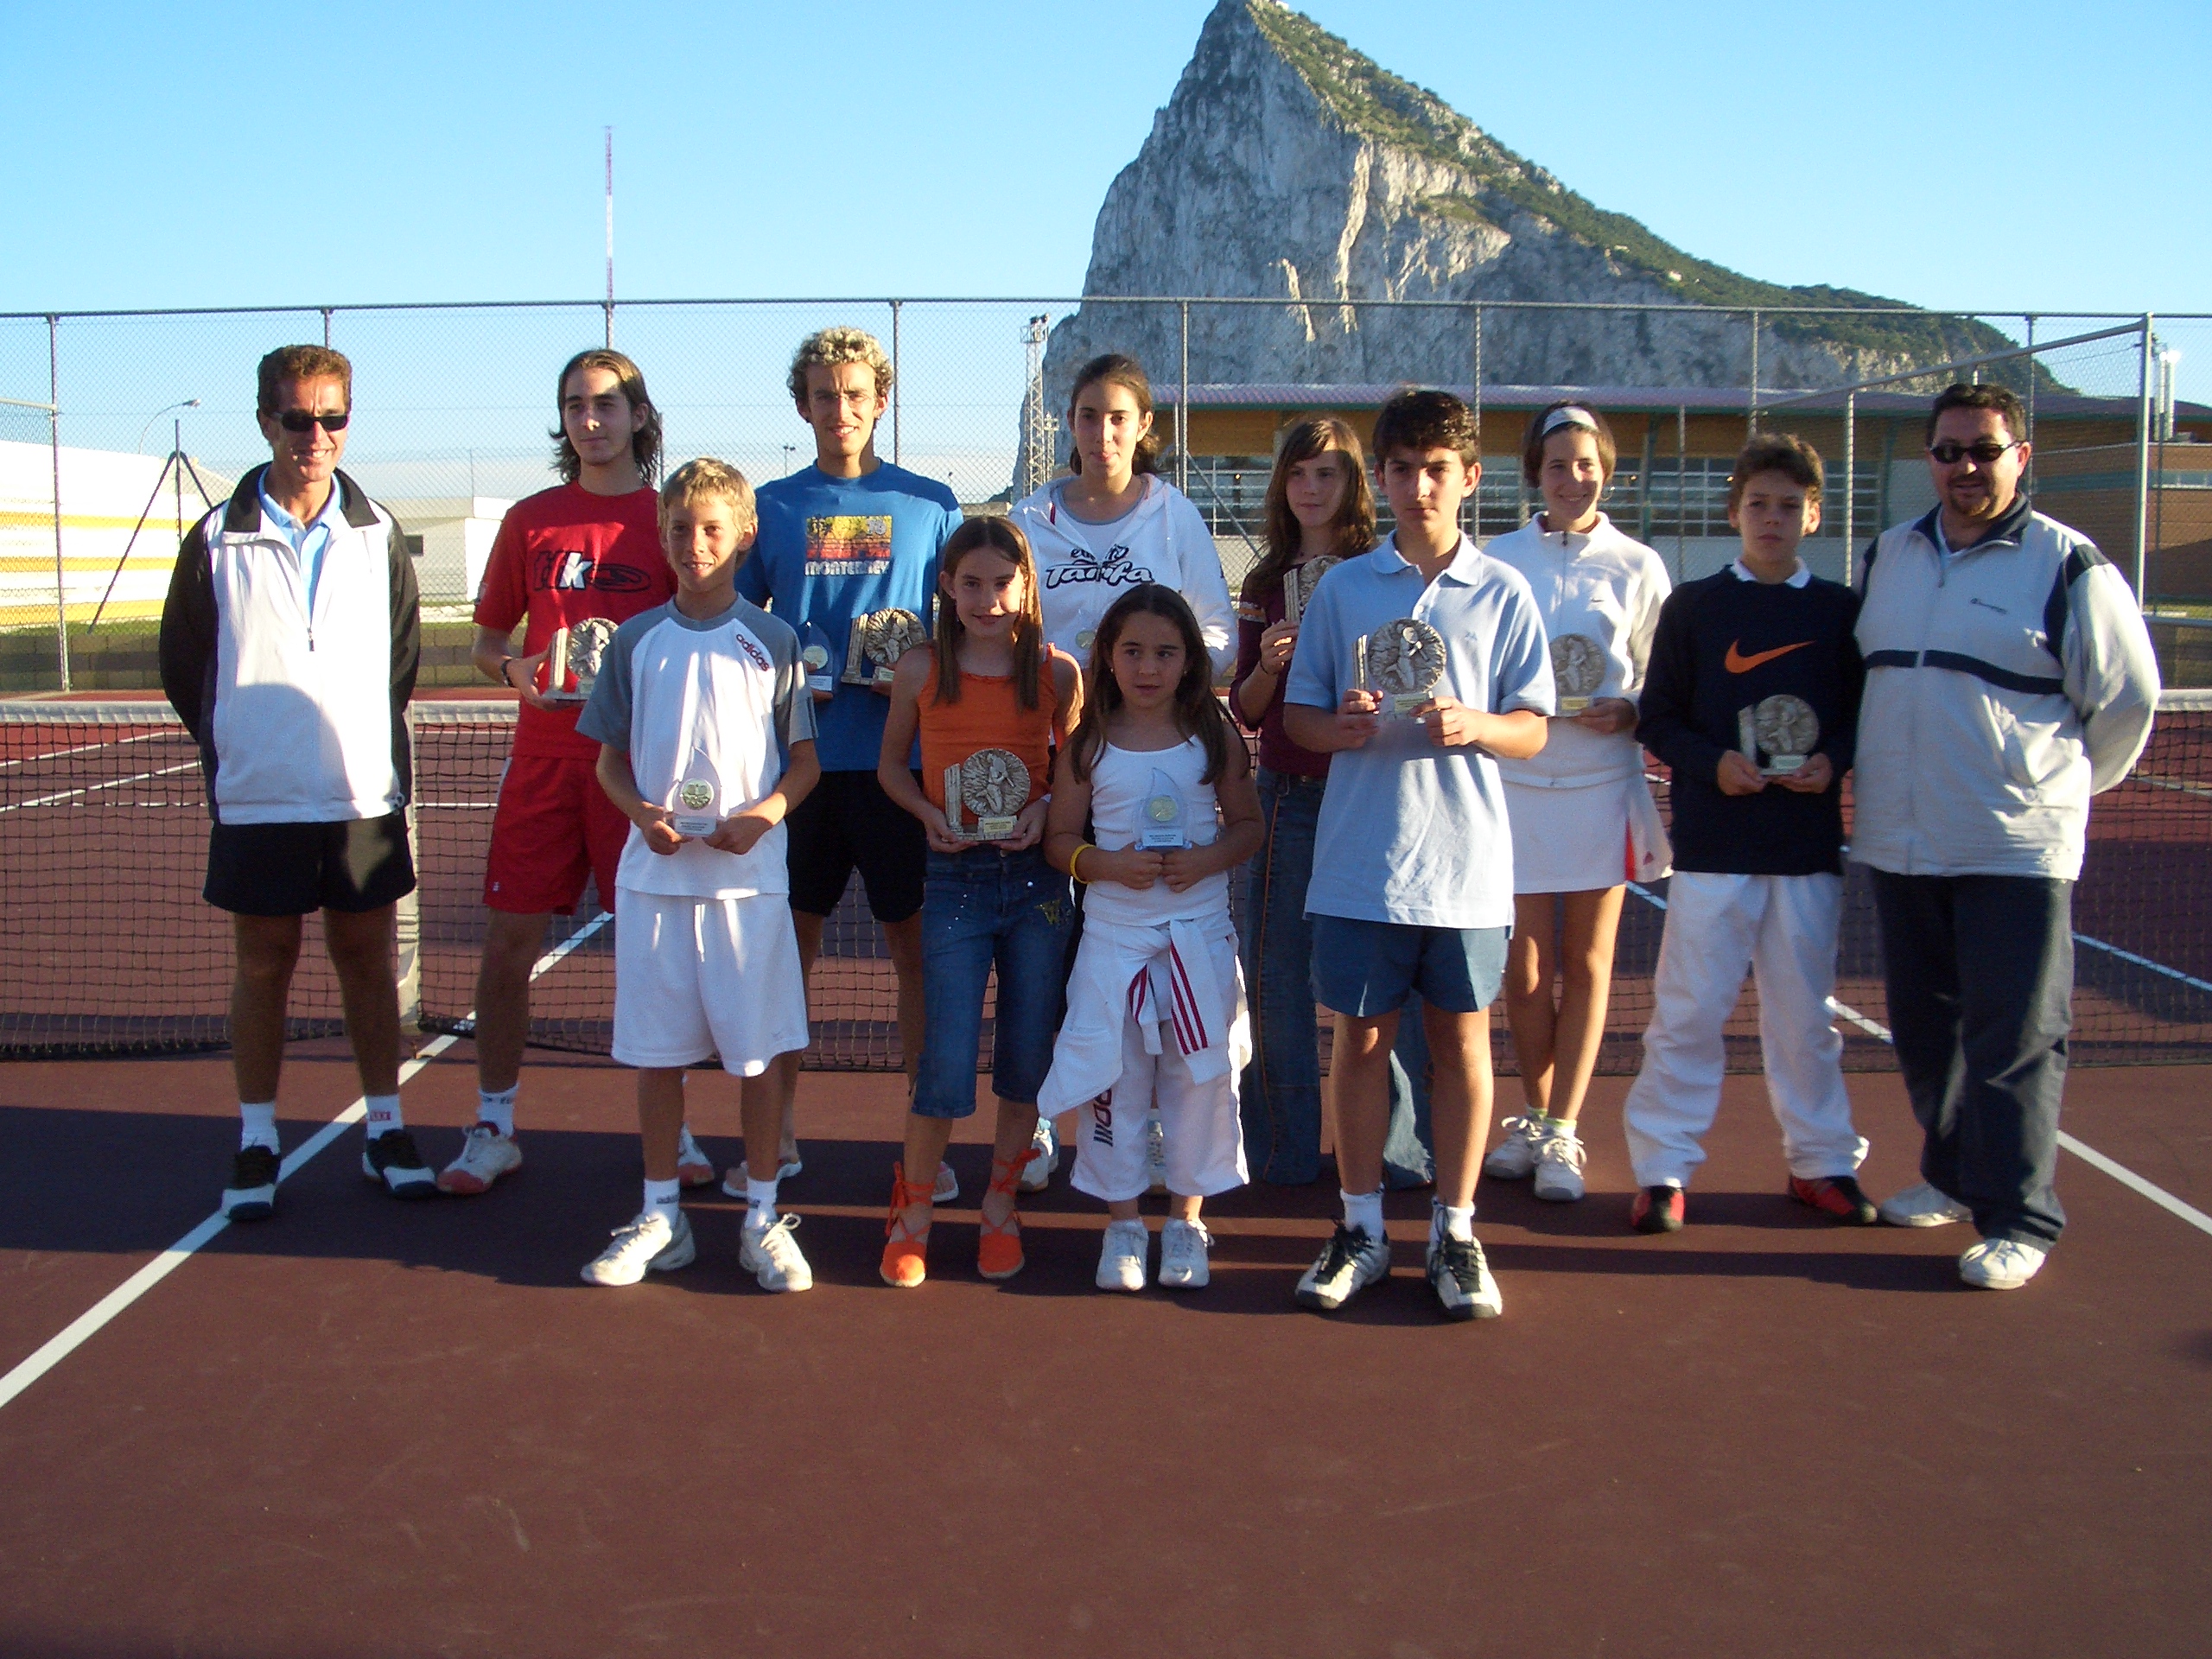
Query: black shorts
(848, 821)
(289, 869)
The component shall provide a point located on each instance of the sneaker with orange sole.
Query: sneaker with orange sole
(998, 1249)
(906, 1255)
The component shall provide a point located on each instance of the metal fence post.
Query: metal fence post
(326, 328)
(1476, 403)
(53, 444)
(1850, 475)
(895, 306)
(1681, 490)
(2142, 467)
(1183, 407)
(1751, 420)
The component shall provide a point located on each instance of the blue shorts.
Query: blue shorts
(1365, 968)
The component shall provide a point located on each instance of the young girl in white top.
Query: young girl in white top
(1156, 1002)
(1581, 813)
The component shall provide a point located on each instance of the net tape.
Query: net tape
(109, 948)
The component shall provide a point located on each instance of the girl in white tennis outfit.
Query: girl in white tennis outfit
(1155, 1011)
(1581, 813)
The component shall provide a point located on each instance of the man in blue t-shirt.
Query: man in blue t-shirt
(846, 538)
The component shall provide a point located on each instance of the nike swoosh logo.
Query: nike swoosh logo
(1736, 663)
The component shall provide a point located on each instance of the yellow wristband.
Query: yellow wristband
(1075, 858)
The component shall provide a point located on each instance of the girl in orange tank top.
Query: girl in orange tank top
(991, 702)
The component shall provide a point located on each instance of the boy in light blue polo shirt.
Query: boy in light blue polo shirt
(1413, 861)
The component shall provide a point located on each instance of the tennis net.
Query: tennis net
(109, 949)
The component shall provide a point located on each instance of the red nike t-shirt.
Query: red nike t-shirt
(561, 556)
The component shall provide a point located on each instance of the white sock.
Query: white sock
(662, 1196)
(384, 1115)
(1363, 1212)
(1446, 1220)
(497, 1108)
(760, 1201)
(257, 1125)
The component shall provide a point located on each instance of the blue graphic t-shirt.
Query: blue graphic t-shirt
(833, 548)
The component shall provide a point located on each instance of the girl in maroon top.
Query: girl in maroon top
(1319, 506)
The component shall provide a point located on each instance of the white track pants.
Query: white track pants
(1784, 927)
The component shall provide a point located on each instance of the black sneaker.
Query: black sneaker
(1838, 1198)
(1460, 1276)
(391, 1160)
(1350, 1260)
(251, 1195)
(1657, 1210)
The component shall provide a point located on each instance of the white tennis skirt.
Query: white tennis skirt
(1569, 840)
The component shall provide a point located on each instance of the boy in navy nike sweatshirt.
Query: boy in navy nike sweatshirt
(1753, 700)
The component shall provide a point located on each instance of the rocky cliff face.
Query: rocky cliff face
(1287, 166)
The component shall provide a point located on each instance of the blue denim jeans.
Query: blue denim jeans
(1282, 1096)
(982, 907)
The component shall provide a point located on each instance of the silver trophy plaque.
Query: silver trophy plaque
(578, 651)
(1578, 670)
(993, 786)
(1402, 661)
(1164, 823)
(1298, 584)
(814, 654)
(1785, 728)
(694, 808)
(878, 640)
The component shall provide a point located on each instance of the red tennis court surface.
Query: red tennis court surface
(371, 1428)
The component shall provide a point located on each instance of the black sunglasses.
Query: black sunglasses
(299, 420)
(1987, 451)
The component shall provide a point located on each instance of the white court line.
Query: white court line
(88, 1322)
(2088, 1154)
(83, 748)
(112, 782)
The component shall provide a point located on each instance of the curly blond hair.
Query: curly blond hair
(828, 347)
(709, 479)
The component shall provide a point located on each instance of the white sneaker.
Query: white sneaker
(1183, 1246)
(485, 1154)
(740, 1171)
(1155, 1151)
(1558, 1166)
(1514, 1157)
(1037, 1173)
(1121, 1255)
(693, 1167)
(1923, 1206)
(2000, 1264)
(1460, 1275)
(1349, 1262)
(648, 1241)
(771, 1254)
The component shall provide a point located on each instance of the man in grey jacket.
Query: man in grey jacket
(2008, 678)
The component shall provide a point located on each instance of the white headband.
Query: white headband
(1568, 415)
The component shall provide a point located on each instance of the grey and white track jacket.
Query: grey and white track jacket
(300, 717)
(2005, 684)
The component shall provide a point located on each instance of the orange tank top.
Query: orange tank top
(988, 715)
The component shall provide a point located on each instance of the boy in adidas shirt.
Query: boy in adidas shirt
(1739, 661)
(706, 737)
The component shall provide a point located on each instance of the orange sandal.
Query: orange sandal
(998, 1250)
(904, 1262)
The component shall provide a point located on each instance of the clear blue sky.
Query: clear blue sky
(157, 156)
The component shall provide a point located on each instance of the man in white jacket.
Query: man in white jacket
(2008, 678)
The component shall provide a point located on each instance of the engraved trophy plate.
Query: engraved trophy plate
(878, 640)
(1786, 728)
(1298, 584)
(694, 808)
(814, 654)
(576, 650)
(1578, 670)
(1164, 824)
(1086, 638)
(1403, 661)
(992, 785)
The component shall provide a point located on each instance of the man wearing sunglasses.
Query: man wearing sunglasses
(289, 649)
(2009, 677)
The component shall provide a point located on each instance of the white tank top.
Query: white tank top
(1123, 785)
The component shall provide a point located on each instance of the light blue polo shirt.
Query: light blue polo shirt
(1411, 832)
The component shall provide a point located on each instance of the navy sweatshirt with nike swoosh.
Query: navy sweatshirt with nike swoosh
(1724, 643)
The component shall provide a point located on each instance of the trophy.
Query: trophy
(1164, 813)
(578, 649)
(1403, 661)
(1298, 584)
(1782, 729)
(694, 808)
(1578, 670)
(1084, 640)
(815, 655)
(994, 785)
(876, 642)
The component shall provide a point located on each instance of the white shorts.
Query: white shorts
(1568, 840)
(699, 976)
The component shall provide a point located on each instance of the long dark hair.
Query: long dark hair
(1354, 523)
(1197, 711)
(644, 438)
(1118, 369)
(1004, 538)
